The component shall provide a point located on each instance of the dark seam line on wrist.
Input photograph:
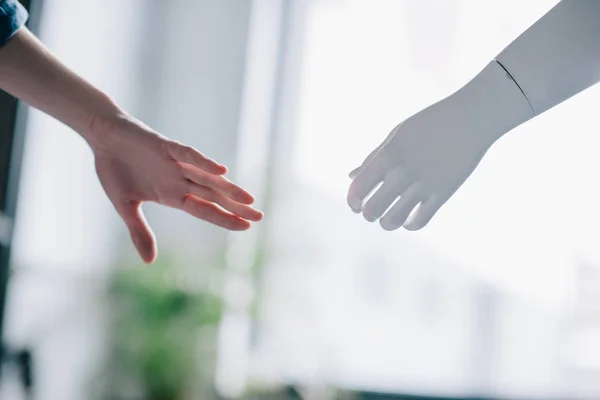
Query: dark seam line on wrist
(519, 86)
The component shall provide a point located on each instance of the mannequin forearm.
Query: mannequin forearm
(558, 56)
(553, 60)
(31, 73)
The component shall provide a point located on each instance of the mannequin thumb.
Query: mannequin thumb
(354, 172)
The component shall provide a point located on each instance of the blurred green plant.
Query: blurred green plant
(163, 334)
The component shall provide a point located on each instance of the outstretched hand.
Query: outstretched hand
(418, 167)
(426, 158)
(136, 164)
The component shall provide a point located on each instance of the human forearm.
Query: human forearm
(134, 163)
(30, 72)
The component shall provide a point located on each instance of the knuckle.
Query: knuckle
(171, 147)
(186, 202)
(180, 168)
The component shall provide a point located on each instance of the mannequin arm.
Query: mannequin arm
(558, 56)
(427, 157)
(553, 60)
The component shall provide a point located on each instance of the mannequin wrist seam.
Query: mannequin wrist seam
(519, 86)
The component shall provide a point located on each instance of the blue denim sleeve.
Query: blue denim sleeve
(12, 17)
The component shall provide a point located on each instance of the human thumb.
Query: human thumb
(141, 234)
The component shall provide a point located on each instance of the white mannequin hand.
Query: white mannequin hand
(428, 156)
(423, 161)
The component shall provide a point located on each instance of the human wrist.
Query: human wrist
(492, 104)
(99, 120)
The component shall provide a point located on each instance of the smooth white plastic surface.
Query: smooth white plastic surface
(558, 56)
(426, 158)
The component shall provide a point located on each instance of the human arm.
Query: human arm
(134, 163)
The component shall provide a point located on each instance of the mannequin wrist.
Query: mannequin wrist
(493, 103)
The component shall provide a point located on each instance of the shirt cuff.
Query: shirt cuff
(12, 17)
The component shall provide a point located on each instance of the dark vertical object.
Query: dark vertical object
(12, 140)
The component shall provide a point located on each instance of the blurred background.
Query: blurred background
(499, 297)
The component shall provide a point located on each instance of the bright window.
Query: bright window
(479, 301)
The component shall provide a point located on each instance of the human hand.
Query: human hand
(133, 162)
(136, 164)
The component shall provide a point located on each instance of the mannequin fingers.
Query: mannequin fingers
(394, 184)
(400, 211)
(423, 215)
(363, 185)
(379, 202)
(355, 172)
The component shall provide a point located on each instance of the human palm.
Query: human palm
(136, 164)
